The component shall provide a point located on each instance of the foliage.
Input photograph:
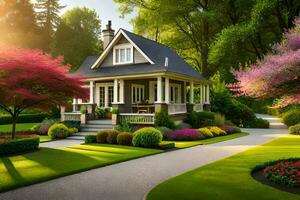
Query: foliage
(291, 117)
(72, 124)
(164, 131)
(19, 145)
(83, 111)
(219, 119)
(258, 123)
(276, 75)
(90, 139)
(42, 128)
(230, 129)
(72, 131)
(99, 112)
(200, 119)
(124, 126)
(125, 139)
(206, 132)
(295, 129)
(78, 36)
(147, 137)
(58, 131)
(216, 131)
(162, 118)
(115, 111)
(112, 137)
(24, 118)
(102, 136)
(286, 172)
(184, 135)
(33, 79)
(166, 146)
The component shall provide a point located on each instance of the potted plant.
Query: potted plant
(114, 118)
(107, 113)
(100, 112)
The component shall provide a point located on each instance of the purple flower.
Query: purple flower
(185, 134)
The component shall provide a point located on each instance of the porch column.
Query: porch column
(92, 92)
(192, 92)
(201, 94)
(159, 85)
(106, 97)
(74, 105)
(184, 92)
(115, 91)
(121, 91)
(207, 94)
(167, 92)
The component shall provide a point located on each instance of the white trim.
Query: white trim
(112, 43)
(159, 89)
(141, 95)
(178, 86)
(97, 93)
(191, 92)
(121, 91)
(116, 85)
(167, 90)
(125, 47)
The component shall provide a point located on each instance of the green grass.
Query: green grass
(45, 138)
(19, 127)
(186, 144)
(45, 164)
(230, 178)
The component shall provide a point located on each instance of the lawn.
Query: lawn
(45, 138)
(19, 127)
(230, 178)
(186, 144)
(45, 164)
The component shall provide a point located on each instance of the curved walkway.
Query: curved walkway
(133, 179)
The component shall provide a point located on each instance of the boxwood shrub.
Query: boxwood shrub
(102, 136)
(165, 146)
(295, 129)
(24, 118)
(147, 137)
(59, 131)
(125, 139)
(90, 139)
(72, 124)
(291, 117)
(19, 146)
(112, 137)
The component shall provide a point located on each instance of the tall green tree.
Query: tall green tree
(48, 19)
(18, 23)
(78, 35)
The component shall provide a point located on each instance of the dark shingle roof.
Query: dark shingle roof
(155, 51)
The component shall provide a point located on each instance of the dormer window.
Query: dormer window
(123, 54)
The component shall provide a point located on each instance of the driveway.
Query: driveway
(133, 179)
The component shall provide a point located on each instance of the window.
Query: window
(101, 96)
(123, 54)
(175, 93)
(110, 95)
(138, 93)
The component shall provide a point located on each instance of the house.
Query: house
(140, 76)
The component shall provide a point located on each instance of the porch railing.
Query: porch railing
(176, 108)
(72, 116)
(135, 118)
(198, 107)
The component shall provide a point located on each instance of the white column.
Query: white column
(91, 92)
(192, 92)
(207, 95)
(159, 85)
(106, 96)
(184, 92)
(115, 91)
(167, 90)
(201, 94)
(121, 91)
(74, 105)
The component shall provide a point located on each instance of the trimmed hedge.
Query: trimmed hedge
(90, 139)
(25, 118)
(147, 137)
(19, 146)
(125, 139)
(102, 136)
(59, 131)
(291, 117)
(295, 129)
(112, 137)
(170, 145)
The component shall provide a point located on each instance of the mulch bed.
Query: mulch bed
(259, 176)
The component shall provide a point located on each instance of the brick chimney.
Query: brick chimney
(108, 35)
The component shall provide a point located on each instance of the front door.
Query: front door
(104, 94)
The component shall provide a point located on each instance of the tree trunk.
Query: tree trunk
(13, 132)
(205, 48)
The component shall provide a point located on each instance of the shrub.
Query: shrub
(115, 111)
(72, 124)
(112, 137)
(164, 131)
(295, 129)
(206, 132)
(291, 117)
(125, 139)
(73, 131)
(24, 118)
(162, 118)
(231, 129)
(258, 123)
(101, 136)
(45, 125)
(19, 146)
(200, 119)
(165, 146)
(184, 135)
(90, 139)
(36, 128)
(216, 131)
(100, 112)
(124, 126)
(147, 137)
(219, 119)
(59, 131)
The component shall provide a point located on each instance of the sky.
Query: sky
(106, 9)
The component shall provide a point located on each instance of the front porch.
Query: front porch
(138, 98)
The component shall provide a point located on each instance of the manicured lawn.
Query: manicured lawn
(230, 178)
(186, 144)
(45, 164)
(45, 138)
(19, 127)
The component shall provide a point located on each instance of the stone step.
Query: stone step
(93, 129)
(100, 122)
(98, 126)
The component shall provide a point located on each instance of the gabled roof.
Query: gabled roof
(154, 52)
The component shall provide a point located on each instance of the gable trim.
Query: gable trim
(110, 46)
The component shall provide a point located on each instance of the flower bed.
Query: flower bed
(184, 135)
(23, 143)
(284, 172)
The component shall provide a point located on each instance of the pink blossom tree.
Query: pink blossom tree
(32, 79)
(278, 74)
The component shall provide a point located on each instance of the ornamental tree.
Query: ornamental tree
(277, 75)
(32, 79)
